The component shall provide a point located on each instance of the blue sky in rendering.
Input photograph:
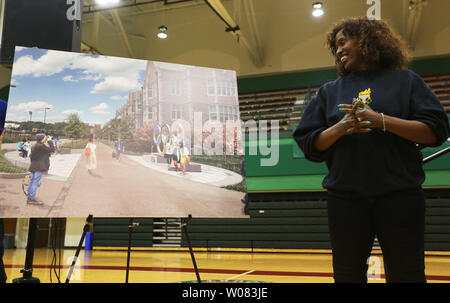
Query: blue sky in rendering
(65, 82)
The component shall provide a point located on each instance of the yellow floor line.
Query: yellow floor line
(241, 275)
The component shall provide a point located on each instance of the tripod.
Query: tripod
(28, 270)
(85, 230)
(184, 222)
(130, 230)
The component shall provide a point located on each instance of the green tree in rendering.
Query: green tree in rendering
(75, 129)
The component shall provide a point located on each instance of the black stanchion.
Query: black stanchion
(130, 231)
(80, 244)
(28, 270)
(185, 221)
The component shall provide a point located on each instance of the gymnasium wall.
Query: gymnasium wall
(423, 66)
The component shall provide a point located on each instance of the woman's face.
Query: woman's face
(348, 53)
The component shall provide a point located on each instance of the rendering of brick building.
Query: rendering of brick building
(171, 92)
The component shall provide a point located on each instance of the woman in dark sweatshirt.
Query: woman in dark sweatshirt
(367, 126)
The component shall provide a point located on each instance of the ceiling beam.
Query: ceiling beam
(415, 13)
(96, 29)
(233, 28)
(251, 17)
(123, 34)
(88, 49)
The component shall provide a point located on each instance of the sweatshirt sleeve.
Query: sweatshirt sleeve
(426, 107)
(312, 123)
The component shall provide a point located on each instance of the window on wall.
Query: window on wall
(230, 113)
(176, 111)
(224, 88)
(211, 88)
(235, 113)
(221, 88)
(213, 112)
(150, 112)
(150, 90)
(229, 87)
(175, 87)
(227, 112)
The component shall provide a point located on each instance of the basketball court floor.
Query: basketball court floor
(173, 266)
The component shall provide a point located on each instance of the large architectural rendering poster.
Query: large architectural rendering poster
(132, 138)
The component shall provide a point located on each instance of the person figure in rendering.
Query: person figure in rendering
(27, 148)
(366, 126)
(40, 163)
(57, 145)
(20, 148)
(168, 152)
(118, 148)
(184, 154)
(176, 159)
(175, 138)
(90, 155)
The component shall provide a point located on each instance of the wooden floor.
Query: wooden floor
(109, 266)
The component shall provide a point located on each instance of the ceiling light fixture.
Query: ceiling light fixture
(106, 2)
(317, 9)
(162, 32)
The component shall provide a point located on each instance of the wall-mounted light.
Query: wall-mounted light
(317, 9)
(162, 32)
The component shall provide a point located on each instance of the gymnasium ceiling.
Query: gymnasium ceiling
(274, 36)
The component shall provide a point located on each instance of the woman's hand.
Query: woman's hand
(329, 136)
(360, 118)
(365, 118)
(347, 124)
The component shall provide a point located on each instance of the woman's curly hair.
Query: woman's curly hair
(380, 47)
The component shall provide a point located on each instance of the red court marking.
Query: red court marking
(213, 271)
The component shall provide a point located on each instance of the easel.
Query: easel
(184, 222)
(131, 225)
(28, 270)
(85, 230)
